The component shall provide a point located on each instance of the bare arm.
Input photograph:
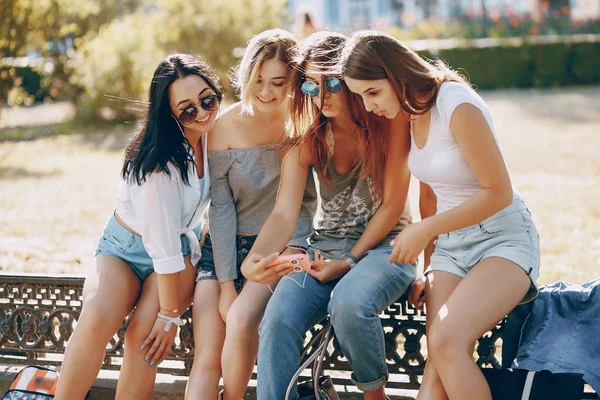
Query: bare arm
(481, 152)
(427, 208)
(476, 141)
(396, 180)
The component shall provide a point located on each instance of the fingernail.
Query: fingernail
(393, 242)
(146, 359)
(152, 363)
(141, 348)
(160, 362)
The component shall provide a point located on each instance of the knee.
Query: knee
(345, 310)
(207, 358)
(278, 323)
(139, 328)
(98, 322)
(446, 344)
(242, 320)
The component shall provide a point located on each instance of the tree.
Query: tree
(119, 60)
(50, 28)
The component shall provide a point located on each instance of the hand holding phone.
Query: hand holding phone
(299, 261)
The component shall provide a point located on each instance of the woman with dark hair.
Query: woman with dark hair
(363, 187)
(487, 255)
(146, 256)
(245, 166)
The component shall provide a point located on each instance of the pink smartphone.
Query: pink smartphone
(300, 262)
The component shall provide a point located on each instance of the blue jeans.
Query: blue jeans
(206, 266)
(354, 302)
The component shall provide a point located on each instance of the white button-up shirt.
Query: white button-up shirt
(163, 208)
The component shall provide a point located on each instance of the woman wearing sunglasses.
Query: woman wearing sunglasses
(363, 186)
(145, 258)
(487, 255)
(245, 167)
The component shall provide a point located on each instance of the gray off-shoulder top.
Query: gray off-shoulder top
(243, 189)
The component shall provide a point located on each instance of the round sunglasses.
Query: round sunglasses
(208, 103)
(311, 89)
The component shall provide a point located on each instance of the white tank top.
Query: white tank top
(440, 163)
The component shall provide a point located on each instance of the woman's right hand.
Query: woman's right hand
(255, 268)
(416, 294)
(226, 298)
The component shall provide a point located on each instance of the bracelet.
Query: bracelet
(350, 259)
(355, 259)
(170, 321)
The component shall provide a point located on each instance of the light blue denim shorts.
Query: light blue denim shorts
(118, 242)
(509, 234)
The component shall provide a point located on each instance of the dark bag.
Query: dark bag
(506, 384)
(320, 388)
(306, 389)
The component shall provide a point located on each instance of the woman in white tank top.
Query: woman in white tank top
(486, 257)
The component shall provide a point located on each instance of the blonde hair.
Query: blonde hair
(372, 55)
(276, 44)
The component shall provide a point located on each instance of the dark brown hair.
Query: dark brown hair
(372, 55)
(160, 141)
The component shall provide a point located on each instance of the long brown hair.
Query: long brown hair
(307, 124)
(372, 55)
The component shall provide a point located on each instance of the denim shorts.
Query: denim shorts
(206, 266)
(509, 234)
(118, 242)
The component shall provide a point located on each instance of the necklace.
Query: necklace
(330, 141)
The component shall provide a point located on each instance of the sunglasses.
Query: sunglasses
(311, 89)
(209, 103)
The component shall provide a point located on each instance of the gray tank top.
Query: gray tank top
(345, 208)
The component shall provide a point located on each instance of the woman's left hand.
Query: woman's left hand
(327, 270)
(410, 243)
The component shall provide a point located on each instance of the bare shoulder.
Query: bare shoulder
(305, 154)
(220, 138)
(299, 154)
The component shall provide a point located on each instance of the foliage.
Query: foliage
(471, 25)
(119, 60)
(521, 62)
(50, 30)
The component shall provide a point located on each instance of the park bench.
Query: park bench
(38, 312)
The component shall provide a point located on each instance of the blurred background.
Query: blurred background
(67, 68)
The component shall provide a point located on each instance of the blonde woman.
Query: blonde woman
(363, 180)
(245, 167)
